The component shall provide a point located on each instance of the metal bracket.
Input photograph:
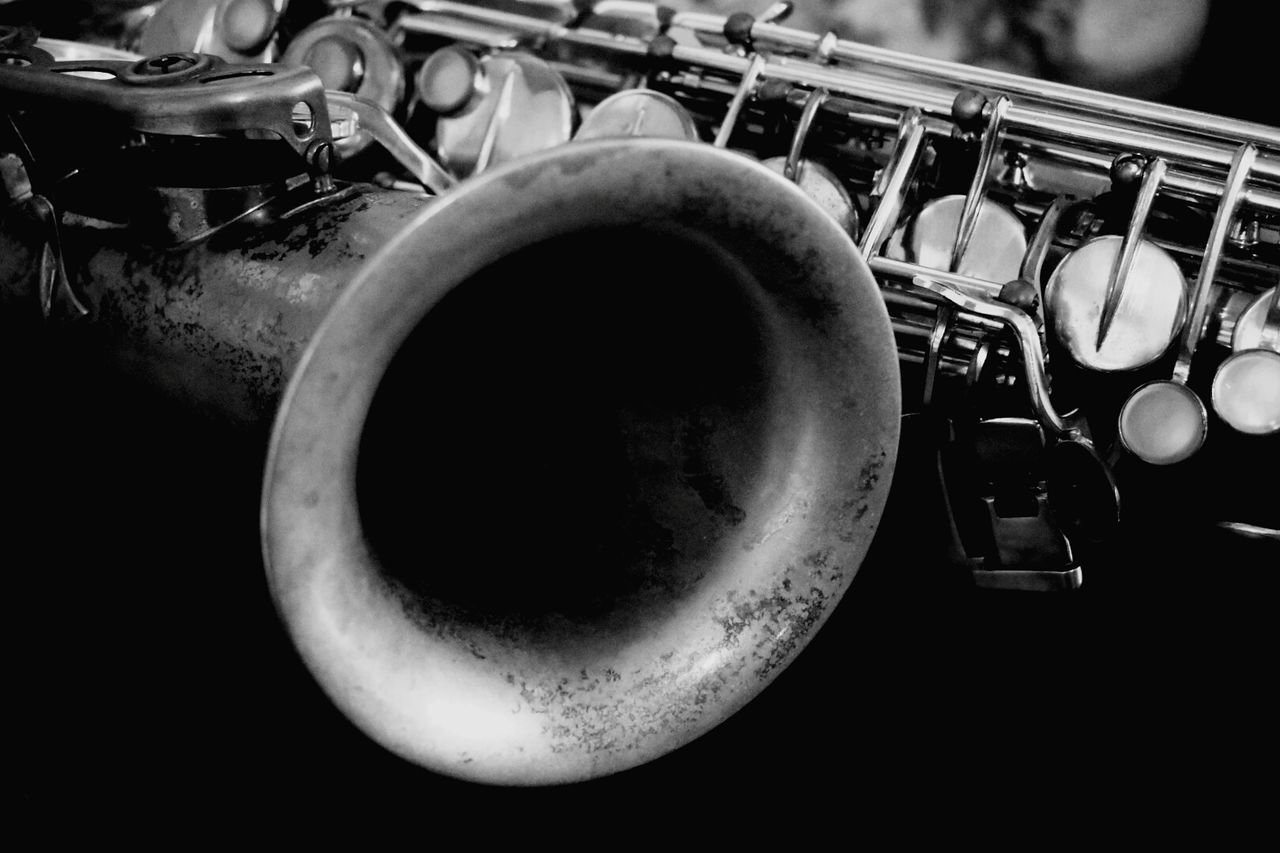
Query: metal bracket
(176, 94)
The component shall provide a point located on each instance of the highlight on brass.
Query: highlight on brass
(676, 296)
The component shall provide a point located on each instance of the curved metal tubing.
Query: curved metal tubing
(746, 89)
(480, 700)
(791, 170)
(387, 132)
(1025, 334)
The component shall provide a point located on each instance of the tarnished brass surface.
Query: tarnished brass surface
(218, 326)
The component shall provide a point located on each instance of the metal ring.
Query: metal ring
(1252, 408)
(933, 358)
(137, 76)
(383, 82)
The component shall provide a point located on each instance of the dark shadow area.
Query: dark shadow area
(562, 437)
(148, 663)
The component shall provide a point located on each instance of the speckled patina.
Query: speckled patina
(221, 324)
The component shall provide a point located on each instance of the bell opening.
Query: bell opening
(576, 434)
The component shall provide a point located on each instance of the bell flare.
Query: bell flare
(581, 460)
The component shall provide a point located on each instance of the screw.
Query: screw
(1021, 293)
(169, 63)
(1127, 170)
(968, 108)
(737, 28)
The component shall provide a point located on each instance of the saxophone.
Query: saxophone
(591, 337)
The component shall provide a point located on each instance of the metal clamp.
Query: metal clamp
(1038, 251)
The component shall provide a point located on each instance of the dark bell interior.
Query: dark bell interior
(571, 429)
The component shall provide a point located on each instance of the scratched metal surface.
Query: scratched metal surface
(219, 325)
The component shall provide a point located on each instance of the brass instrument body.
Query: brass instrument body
(714, 489)
(220, 324)
(1009, 450)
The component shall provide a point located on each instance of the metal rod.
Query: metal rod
(627, 9)
(905, 270)
(1152, 177)
(776, 12)
(1176, 181)
(973, 200)
(961, 76)
(933, 97)
(1034, 122)
(791, 171)
(933, 356)
(388, 133)
(1227, 208)
(747, 88)
(1179, 181)
(901, 166)
(483, 35)
(1033, 260)
(507, 20)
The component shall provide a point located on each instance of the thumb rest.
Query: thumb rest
(1069, 276)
